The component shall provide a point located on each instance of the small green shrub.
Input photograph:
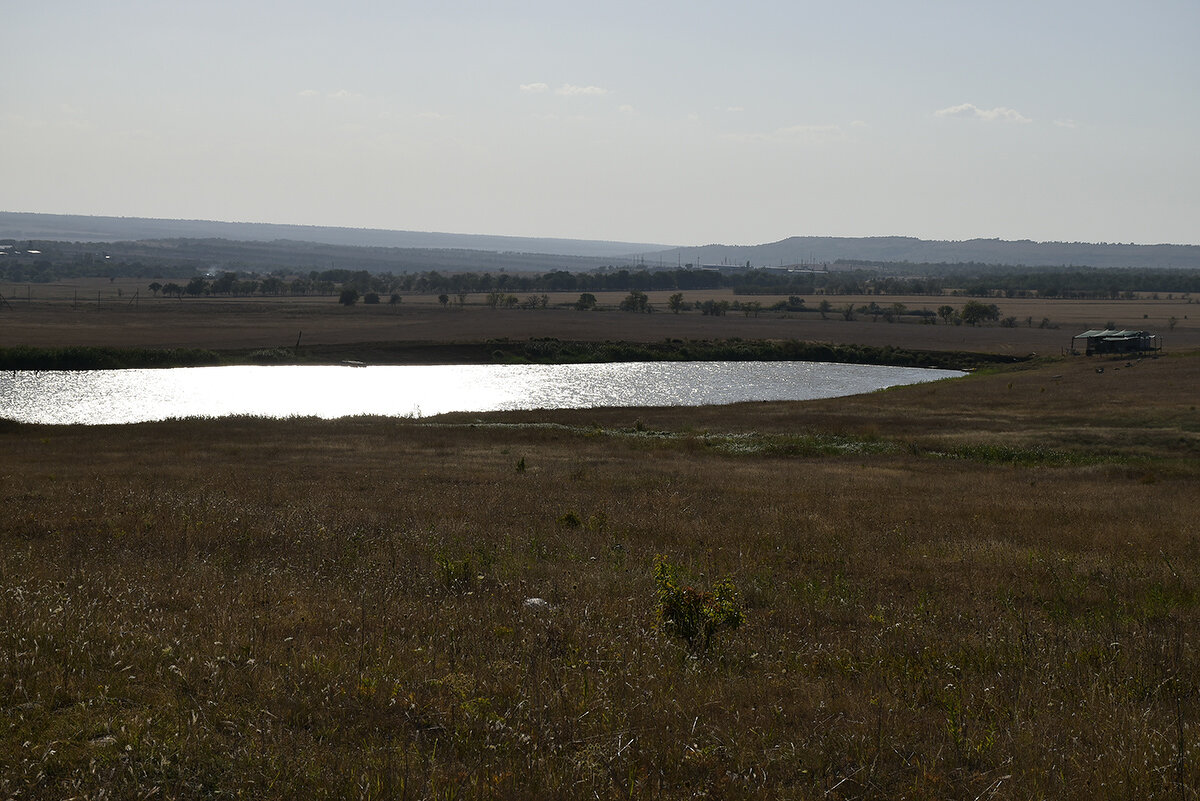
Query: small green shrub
(570, 519)
(692, 615)
(456, 573)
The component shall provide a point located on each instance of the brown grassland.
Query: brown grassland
(979, 588)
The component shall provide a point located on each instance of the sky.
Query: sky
(682, 123)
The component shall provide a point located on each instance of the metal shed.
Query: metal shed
(1109, 340)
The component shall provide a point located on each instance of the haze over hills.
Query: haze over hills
(77, 228)
(821, 249)
(798, 250)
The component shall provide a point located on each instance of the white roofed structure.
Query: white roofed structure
(1116, 341)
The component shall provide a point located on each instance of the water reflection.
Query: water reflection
(130, 396)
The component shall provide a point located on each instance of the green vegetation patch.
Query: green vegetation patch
(821, 444)
(1004, 454)
(79, 357)
(816, 444)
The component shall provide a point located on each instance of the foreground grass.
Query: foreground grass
(276, 608)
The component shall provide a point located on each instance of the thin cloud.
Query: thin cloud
(794, 133)
(810, 130)
(626, 109)
(571, 90)
(1066, 123)
(431, 115)
(972, 111)
(534, 88)
(340, 94)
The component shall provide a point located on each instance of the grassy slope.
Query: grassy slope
(978, 587)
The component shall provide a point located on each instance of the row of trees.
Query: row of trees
(992, 280)
(758, 282)
(362, 287)
(881, 278)
(239, 266)
(973, 312)
(230, 284)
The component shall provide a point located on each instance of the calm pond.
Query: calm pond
(132, 396)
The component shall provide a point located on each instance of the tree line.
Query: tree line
(846, 278)
(994, 280)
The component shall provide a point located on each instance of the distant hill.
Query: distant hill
(175, 257)
(823, 249)
(792, 251)
(77, 228)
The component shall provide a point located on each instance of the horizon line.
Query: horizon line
(606, 241)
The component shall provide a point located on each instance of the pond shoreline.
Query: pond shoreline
(500, 351)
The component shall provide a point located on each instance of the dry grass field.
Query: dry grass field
(984, 588)
(93, 313)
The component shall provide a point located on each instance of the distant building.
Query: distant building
(806, 269)
(1105, 341)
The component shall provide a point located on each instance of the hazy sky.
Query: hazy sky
(677, 122)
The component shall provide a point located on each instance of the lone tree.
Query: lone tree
(675, 303)
(636, 301)
(586, 302)
(348, 297)
(974, 312)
